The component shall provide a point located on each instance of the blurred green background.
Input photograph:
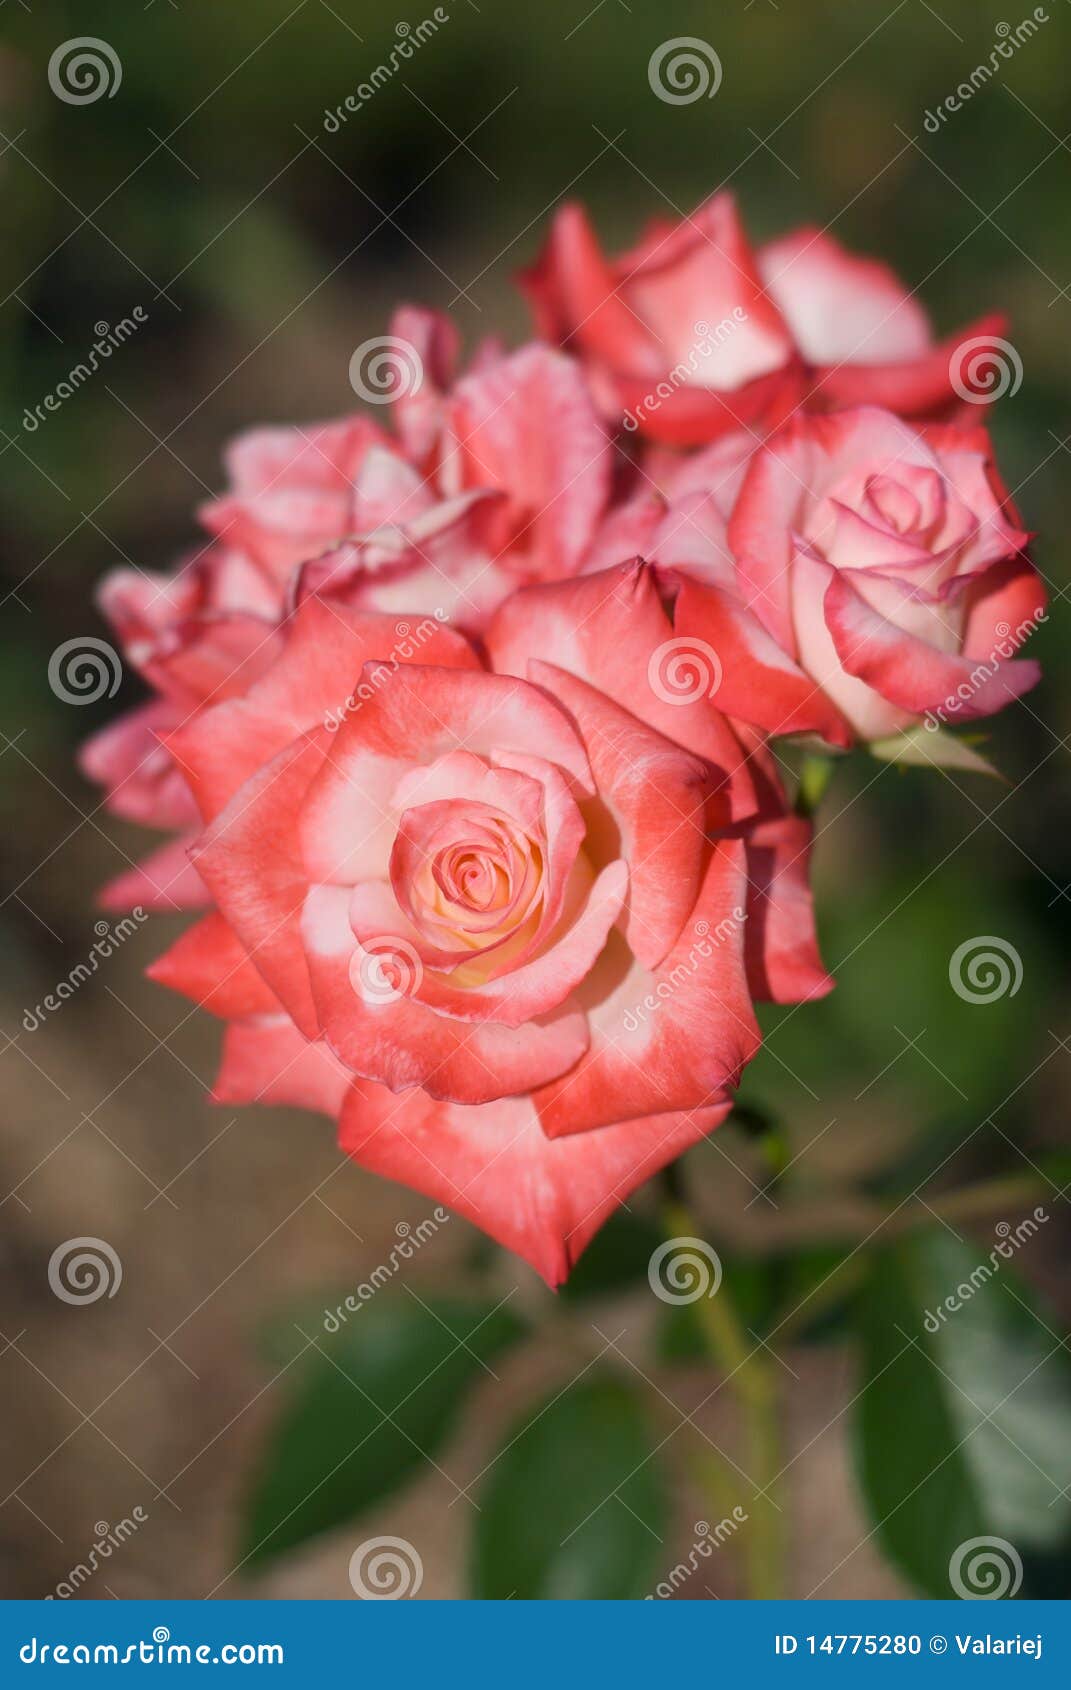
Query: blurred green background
(263, 248)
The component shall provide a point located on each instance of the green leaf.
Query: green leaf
(367, 1404)
(961, 1421)
(932, 748)
(573, 1507)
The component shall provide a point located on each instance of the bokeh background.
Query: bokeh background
(263, 248)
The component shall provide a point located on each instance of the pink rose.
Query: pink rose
(505, 921)
(501, 476)
(865, 339)
(693, 334)
(869, 574)
(679, 336)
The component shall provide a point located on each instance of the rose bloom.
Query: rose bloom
(869, 573)
(693, 333)
(496, 478)
(503, 917)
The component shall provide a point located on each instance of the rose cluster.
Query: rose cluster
(460, 718)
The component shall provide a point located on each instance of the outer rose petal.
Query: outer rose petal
(266, 1060)
(416, 408)
(572, 290)
(528, 425)
(138, 774)
(609, 629)
(164, 880)
(656, 794)
(910, 388)
(402, 1043)
(912, 675)
(842, 308)
(250, 857)
(1006, 604)
(685, 1045)
(760, 684)
(312, 682)
(543, 1199)
(210, 964)
(780, 942)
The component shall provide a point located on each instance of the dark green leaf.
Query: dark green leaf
(366, 1405)
(574, 1506)
(962, 1419)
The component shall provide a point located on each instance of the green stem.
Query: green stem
(748, 1373)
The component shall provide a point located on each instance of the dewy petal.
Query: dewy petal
(400, 1042)
(668, 1039)
(543, 1199)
